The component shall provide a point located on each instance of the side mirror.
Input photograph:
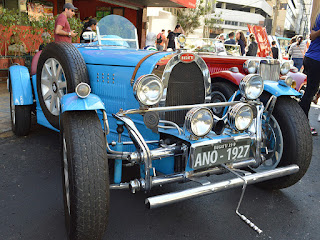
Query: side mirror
(89, 36)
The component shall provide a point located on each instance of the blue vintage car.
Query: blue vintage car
(134, 119)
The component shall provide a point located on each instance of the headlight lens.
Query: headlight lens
(83, 90)
(148, 89)
(182, 40)
(251, 86)
(240, 116)
(250, 66)
(199, 121)
(285, 68)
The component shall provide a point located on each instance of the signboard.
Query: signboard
(186, 3)
(261, 35)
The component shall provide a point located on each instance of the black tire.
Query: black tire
(20, 117)
(85, 173)
(74, 72)
(297, 142)
(221, 92)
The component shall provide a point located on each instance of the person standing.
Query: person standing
(275, 50)
(297, 51)
(90, 26)
(231, 39)
(161, 39)
(253, 46)
(171, 37)
(62, 31)
(241, 41)
(311, 64)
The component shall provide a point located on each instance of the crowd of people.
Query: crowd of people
(298, 49)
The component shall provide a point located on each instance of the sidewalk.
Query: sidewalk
(5, 123)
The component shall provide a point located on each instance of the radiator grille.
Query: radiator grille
(270, 71)
(185, 87)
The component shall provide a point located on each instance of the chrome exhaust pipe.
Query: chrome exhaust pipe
(165, 199)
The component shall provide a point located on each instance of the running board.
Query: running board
(165, 199)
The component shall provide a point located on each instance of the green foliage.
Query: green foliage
(190, 19)
(13, 18)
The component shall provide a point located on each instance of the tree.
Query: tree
(190, 19)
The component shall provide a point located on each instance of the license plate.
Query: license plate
(219, 153)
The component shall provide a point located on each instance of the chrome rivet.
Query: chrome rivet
(108, 81)
(112, 78)
(112, 81)
(113, 74)
(102, 74)
(108, 74)
(108, 77)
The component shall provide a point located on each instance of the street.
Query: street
(31, 205)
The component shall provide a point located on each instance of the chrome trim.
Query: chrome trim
(259, 139)
(135, 185)
(174, 125)
(119, 186)
(146, 156)
(165, 199)
(168, 69)
(175, 108)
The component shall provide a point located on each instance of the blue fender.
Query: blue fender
(275, 88)
(19, 78)
(71, 102)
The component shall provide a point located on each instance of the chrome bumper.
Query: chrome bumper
(165, 199)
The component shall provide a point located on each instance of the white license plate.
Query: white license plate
(219, 153)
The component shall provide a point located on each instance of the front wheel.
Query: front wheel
(288, 141)
(221, 92)
(85, 175)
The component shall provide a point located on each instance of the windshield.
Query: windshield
(205, 45)
(115, 30)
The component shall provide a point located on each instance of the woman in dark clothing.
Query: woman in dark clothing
(253, 46)
(89, 26)
(241, 41)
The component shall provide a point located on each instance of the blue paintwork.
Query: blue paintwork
(21, 85)
(115, 56)
(279, 90)
(41, 119)
(118, 162)
(71, 102)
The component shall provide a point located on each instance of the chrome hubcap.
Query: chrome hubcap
(53, 85)
(66, 173)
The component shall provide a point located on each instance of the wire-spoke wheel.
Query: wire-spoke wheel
(60, 69)
(288, 140)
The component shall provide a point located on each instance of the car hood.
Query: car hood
(116, 56)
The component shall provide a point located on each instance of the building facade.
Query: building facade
(290, 17)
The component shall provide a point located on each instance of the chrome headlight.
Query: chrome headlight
(148, 89)
(250, 66)
(288, 81)
(285, 68)
(83, 90)
(199, 121)
(251, 86)
(240, 116)
(182, 40)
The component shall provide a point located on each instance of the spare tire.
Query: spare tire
(60, 69)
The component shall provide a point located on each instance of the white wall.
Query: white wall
(159, 19)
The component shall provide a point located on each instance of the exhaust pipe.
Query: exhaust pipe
(165, 199)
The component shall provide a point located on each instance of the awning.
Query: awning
(153, 3)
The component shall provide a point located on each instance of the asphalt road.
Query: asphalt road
(31, 205)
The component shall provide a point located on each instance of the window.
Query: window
(233, 23)
(283, 6)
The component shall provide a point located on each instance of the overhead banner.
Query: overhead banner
(186, 3)
(261, 35)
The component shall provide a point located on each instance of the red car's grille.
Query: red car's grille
(269, 71)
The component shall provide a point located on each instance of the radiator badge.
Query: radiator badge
(187, 57)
